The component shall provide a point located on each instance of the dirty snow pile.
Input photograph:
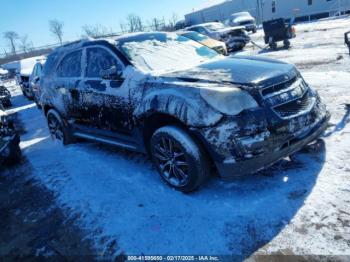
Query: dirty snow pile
(295, 207)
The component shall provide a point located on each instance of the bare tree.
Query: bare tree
(31, 46)
(123, 27)
(56, 28)
(156, 24)
(24, 43)
(173, 20)
(11, 37)
(95, 31)
(135, 23)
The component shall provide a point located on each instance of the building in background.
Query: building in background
(263, 10)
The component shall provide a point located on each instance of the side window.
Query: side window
(39, 69)
(34, 73)
(70, 65)
(98, 60)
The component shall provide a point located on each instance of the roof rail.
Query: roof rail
(74, 42)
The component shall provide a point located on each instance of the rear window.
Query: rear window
(50, 63)
(70, 65)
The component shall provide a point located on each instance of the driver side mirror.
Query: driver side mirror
(114, 73)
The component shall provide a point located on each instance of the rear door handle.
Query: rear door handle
(74, 94)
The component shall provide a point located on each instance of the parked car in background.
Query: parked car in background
(235, 38)
(3, 74)
(24, 69)
(5, 96)
(34, 81)
(22, 77)
(180, 25)
(242, 19)
(189, 107)
(218, 46)
(10, 152)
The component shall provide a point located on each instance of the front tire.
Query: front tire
(37, 103)
(273, 46)
(58, 129)
(180, 161)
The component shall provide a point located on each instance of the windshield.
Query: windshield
(164, 52)
(215, 27)
(195, 36)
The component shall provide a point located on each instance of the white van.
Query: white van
(242, 19)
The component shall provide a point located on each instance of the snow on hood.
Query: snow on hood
(239, 70)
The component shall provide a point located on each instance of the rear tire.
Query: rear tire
(181, 162)
(273, 46)
(58, 129)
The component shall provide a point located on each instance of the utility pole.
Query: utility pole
(258, 11)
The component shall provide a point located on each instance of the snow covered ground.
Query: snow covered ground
(297, 207)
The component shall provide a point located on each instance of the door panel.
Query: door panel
(103, 99)
(66, 86)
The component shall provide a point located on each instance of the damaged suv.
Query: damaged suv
(186, 105)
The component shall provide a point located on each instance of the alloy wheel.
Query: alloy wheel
(55, 127)
(172, 162)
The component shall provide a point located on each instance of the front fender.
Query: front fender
(184, 104)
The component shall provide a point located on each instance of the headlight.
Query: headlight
(228, 100)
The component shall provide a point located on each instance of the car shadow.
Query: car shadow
(239, 216)
(266, 202)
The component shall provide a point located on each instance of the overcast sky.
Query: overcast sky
(30, 17)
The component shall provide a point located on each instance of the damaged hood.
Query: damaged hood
(239, 70)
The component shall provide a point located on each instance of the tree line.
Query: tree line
(132, 23)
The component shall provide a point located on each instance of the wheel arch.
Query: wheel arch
(157, 120)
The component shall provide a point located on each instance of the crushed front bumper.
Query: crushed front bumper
(266, 159)
(248, 143)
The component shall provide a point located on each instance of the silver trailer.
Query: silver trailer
(264, 10)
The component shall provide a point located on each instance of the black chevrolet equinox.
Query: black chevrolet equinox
(188, 107)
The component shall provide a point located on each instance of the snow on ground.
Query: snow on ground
(295, 207)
